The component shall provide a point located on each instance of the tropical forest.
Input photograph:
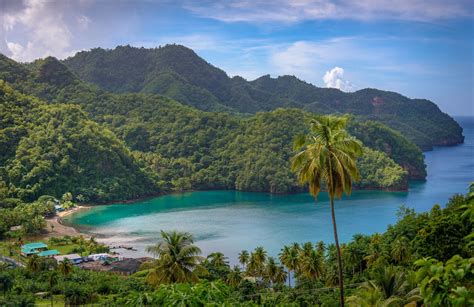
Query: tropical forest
(216, 153)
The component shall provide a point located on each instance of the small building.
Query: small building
(128, 266)
(33, 248)
(97, 257)
(74, 258)
(49, 253)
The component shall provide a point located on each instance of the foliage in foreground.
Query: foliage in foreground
(389, 269)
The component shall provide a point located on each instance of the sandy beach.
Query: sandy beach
(55, 228)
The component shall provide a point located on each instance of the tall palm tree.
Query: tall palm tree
(178, 259)
(271, 270)
(289, 258)
(312, 265)
(328, 156)
(243, 258)
(260, 255)
(52, 279)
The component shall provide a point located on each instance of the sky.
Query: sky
(419, 48)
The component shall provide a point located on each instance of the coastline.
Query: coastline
(56, 228)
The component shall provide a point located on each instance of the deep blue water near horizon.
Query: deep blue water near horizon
(230, 221)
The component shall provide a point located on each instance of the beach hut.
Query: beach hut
(74, 258)
(33, 248)
(49, 253)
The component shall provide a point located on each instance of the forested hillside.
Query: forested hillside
(179, 73)
(158, 141)
(52, 149)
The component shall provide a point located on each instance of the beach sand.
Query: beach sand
(55, 228)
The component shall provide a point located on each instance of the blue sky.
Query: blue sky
(422, 49)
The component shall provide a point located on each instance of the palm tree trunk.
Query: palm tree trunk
(339, 259)
(289, 278)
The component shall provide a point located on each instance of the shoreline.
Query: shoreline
(56, 228)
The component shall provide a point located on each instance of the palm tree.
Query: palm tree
(33, 264)
(328, 155)
(271, 270)
(260, 256)
(289, 258)
(243, 258)
(321, 248)
(280, 275)
(218, 260)
(52, 278)
(178, 259)
(65, 267)
(234, 277)
(312, 265)
(400, 249)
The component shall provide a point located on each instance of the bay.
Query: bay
(230, 221)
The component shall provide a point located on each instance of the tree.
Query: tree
(289, 258)
(52, 279)
(257, 260)
(400, 250)
(328, 155)
(244, 258)
(178, 259)
(271, 270)
(312, 265)
(218, 259)
(65, 267)
(33, 265)
(446, 284)
(234, 277)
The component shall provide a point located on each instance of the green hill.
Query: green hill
(168, 145)
(179, 73)
(52, 149)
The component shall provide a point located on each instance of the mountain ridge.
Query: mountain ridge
(179, 73)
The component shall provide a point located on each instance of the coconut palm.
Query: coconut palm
(234, 277)
(312, 265)
(65, 267)
(52, 279)
(400, 249)
(243, 258)
(178, 259)
(280, 275)
(289, 258)
(34, 264)
(257, 260)
(218, 260)
(271, 269)
(328, 155)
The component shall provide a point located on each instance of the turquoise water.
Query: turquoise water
(229, 221)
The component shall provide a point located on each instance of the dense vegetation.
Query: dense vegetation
(52, 149)
(424, 258)
(168, 146)
(177, 72)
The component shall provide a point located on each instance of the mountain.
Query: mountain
(53, 149)
(74, 128)
(179, 73)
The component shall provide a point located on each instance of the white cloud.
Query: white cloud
(46, 32)
(290, 11)
(83, 21)
(334, 78)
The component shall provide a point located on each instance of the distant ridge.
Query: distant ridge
(179, 73)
